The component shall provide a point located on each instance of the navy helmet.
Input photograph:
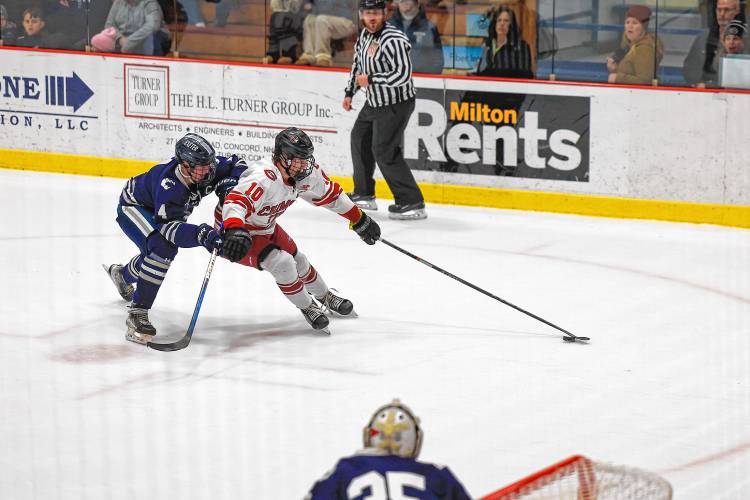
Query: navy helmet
(196, 151)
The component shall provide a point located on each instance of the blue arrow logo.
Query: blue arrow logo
(67, 91)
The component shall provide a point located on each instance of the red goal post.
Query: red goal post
(580, 478)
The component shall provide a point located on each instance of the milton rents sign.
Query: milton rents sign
(498, 133)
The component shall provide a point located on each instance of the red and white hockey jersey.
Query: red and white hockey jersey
(262, 196)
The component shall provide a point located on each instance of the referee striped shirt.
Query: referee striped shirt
(384, 57)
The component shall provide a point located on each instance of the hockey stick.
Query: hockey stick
(568, 336)
(185, 340)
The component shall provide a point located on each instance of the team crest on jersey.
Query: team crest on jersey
(270, 174)
(167, 183)
(372, 49)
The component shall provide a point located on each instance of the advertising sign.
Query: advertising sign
(499, 133)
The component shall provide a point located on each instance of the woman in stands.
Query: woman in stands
(639, 55)
(505, 54)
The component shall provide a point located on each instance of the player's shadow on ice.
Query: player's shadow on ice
(217, 334)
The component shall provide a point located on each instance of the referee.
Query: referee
(382, 66)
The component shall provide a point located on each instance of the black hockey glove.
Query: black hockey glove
(237, 243)
(367, 229)
(224, 186)
(209, 237)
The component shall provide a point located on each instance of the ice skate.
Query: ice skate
(316, 317)
(363, 202)
(125, 289)
(140, 329)
(411, 211)
(339, 305)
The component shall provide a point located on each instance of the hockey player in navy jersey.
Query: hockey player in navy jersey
(387, 467)
(153, 212)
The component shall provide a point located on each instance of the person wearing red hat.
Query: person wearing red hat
(639, 54)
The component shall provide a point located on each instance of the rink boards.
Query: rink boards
(596, 150)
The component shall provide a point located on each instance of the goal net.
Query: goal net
(579, 478)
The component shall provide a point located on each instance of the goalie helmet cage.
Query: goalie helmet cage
(580, 478)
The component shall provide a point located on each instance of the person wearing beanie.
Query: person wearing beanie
(698, 66)
(640, 52)
(426, 46)
(732, 42)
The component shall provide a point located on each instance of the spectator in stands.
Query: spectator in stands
(505, 53)
(732, 42)
(392, 441)
(326, 20)
(133, 27)
(73, 20)
(426, 47)
(35, 33)
(698, 66)
(284, 31)
(195, 17)
(8, 29)
(639, 55)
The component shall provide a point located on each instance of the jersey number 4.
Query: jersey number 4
(383, 488)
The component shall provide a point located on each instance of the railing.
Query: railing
(682, 45)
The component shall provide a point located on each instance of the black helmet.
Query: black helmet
(371, 4)
(293, 143)
(196, 151)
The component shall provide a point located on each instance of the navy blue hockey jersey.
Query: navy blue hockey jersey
(162, 192)
(375, 476)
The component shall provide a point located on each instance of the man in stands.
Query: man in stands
(426, 46)
(326, 20)
(698, 66)
(387, 467)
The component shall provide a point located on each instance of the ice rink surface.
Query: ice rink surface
(259, 406)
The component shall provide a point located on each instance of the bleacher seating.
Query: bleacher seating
(245, 38)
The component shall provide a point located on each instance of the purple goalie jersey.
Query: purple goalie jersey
(384, 477)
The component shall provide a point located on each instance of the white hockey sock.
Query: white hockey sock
(282, 267)
(309, 276)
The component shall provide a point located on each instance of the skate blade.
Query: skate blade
(416, 215)
(138, 339)
(352, 314)
(367, 205)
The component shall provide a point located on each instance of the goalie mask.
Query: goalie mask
(293, 151)
(394, 429)
(196, 152)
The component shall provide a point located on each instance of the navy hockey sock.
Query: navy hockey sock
(131, 272)
(153, 270)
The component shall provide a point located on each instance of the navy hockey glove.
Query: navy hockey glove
(209, 237)
(224, 186)
(237, 243)
(367, 229)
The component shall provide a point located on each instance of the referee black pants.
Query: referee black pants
(376, 137)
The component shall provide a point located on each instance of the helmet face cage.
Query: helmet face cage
(197, 151)
(287, 160)
(290, 144)
(394, 429)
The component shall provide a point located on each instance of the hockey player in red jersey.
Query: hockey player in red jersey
(253, 238)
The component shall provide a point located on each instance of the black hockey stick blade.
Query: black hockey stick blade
(185, 340)
(584, 340)
(568, 336)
